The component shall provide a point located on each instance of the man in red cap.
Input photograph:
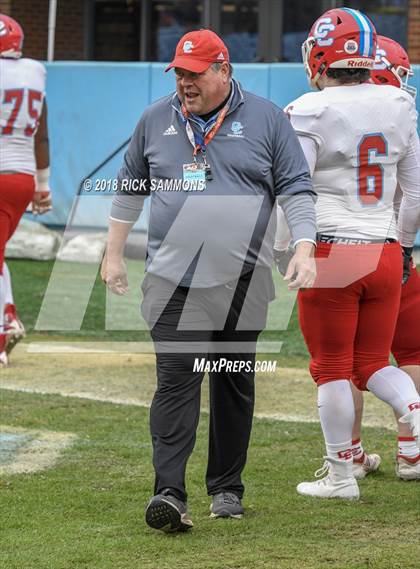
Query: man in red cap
(201, 85)
(214, 159)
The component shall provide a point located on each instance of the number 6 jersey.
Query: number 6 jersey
(363, 139)
(22, 91)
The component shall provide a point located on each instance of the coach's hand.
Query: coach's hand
(301, 271)
(114, 274)
(407, 253)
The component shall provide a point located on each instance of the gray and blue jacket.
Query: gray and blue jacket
(209, 236)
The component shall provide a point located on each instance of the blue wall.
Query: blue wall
(93, 108)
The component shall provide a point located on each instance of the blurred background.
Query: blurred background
(148, 30)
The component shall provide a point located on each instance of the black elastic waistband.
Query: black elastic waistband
(339, 239)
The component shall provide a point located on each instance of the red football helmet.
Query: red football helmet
(11, 37)
(392, 66)
(341, 38)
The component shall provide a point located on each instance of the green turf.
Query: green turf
(87, 512)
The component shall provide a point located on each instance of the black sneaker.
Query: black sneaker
(226, 505)
(167, 513)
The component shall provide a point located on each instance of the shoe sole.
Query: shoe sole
(355, 497)
(226, 515)
(349, 498)
(408, 477)
(165, 516)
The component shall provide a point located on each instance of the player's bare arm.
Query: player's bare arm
(42, 202)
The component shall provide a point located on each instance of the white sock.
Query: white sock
(8, 294)
(357, 449)
(395, 387)
(407, 446)
(336, 412)
(2, 304)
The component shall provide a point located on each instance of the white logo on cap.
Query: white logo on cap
(188, 46)
(221, 56)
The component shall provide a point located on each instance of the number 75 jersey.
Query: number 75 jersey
(22, 92)
(362, 134)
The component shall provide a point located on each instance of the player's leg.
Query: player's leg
(328, 319)
(17, 191)
(13, 326)
(3, 354)
(8, 295)
(358, 414)
(4, 232)
(363, 463)
(406, 350)
(377, 318)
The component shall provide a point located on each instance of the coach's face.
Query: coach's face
(203, 92)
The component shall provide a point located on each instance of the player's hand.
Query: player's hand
(114, 274)
(301, 271)
(42, 203)
(406, 253)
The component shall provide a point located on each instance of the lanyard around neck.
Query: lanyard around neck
(199, 143)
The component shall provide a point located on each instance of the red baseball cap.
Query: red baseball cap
(196, 51)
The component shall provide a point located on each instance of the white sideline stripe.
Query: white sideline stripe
(78, 395)
(139, 403)
(87, 348)
(122, 348)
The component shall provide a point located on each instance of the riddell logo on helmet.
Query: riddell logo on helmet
(3, 29)
(359, 63)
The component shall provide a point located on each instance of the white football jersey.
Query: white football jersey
(361, 132)
(22, 92)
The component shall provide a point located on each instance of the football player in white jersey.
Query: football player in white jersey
(392, 67)
(359, 140)
(24, 156)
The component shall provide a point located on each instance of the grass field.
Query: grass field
(87, 510)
